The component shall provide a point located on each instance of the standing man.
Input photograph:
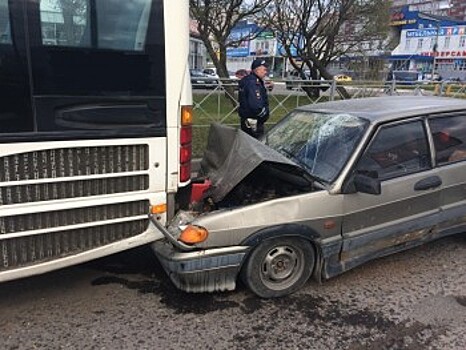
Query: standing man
(253, 100)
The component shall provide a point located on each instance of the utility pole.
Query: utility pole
(435, 46)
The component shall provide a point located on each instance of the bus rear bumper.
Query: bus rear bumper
(200, 271)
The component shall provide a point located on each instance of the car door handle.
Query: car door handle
(428, 183)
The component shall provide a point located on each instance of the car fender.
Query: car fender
(284, 230)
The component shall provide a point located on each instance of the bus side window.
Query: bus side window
(5, 31)
(15, 107)
(65, 23)
(122, 25)
(118, 25)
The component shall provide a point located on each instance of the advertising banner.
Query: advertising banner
(242, 49)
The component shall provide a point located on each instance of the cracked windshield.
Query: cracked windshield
(319, 142)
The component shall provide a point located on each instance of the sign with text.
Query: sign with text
(430, 32)
(446, 54)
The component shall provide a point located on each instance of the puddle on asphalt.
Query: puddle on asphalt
(174, 299)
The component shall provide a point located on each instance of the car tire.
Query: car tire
(278, 267)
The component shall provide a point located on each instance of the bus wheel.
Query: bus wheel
(278, 267)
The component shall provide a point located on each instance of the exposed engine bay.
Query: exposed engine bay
(268, 181)
(245, 171)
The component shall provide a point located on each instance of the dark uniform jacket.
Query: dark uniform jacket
(253, 100)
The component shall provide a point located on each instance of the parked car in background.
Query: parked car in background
(200, 80)
(211, 72)
(343, 78)
(404, 77)
(301, 80)
(330, 187)
(432, 77)
(295, 79)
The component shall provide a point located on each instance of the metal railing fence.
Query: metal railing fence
(218, 101)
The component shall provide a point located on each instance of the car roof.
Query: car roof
(383, 109)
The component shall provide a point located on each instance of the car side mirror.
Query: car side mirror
(367, 184)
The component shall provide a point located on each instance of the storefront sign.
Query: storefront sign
(399, 19)
(446, 54)
(422, 33)
(402, 22)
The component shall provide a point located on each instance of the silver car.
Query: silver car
(331, 186)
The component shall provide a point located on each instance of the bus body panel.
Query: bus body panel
(89, 128)
(179, 82)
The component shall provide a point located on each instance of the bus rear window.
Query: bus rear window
(104, 24)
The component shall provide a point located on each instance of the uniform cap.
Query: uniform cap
(259, 62)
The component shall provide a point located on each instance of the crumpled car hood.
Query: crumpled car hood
(231, 155)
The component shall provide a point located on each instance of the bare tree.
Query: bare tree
(320, 31)
(216, 20)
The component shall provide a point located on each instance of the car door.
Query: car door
(449, 137)
(407, 210)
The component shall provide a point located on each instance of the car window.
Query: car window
(196, 73)
(449, 135)
(396, 151)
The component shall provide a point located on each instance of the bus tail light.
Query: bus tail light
(185, 154)
(186, 138)
(185, 172)
(186, 135)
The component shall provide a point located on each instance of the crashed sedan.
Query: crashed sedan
(331, 186)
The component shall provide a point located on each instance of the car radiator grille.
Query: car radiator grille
(20, 243)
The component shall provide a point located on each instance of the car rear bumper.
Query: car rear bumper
(199, 271)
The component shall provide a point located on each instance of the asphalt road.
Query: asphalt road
(412, 300)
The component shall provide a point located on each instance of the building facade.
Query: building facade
(197, 50)
(429, 44)
(455, 9)
(250, 42)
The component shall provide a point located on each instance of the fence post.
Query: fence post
(333, 89)
(442, 88)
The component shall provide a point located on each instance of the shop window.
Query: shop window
(463, 41)
(446, 43)
(420, 42)
(408, 44)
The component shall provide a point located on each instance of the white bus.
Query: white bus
(95, 127)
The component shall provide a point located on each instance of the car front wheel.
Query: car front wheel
(278, 267)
